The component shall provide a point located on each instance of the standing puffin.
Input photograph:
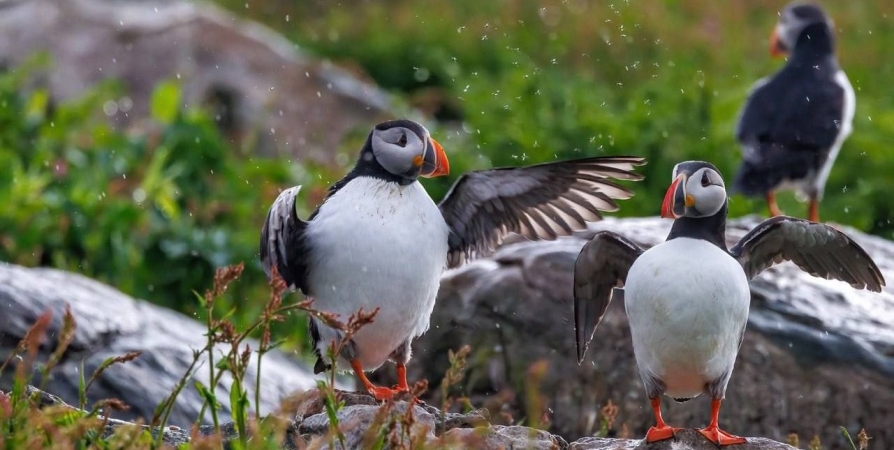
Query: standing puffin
(378, 241)
(687, 299)
(793, 123)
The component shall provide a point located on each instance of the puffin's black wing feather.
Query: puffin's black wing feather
(282, 242)
(539, 202)
(817, 249)
(602, 264)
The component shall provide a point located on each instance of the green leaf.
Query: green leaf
(239, 405)
(82, 388)
(165, 102)
(206, 394)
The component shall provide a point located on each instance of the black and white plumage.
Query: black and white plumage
(794, 123)
(379, 241)
(687, 299)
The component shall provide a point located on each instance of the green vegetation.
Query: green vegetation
(152, 213)
(536, 81)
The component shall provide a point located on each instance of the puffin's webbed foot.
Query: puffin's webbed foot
(813, 210)
(380, 392)
(713, 432)
(720, 437)
(772, 206)
(661, 431)
(656, 433)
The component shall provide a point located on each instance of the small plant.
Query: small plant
(607, 420)
(236, 360)
(862, 439)
(536, 406)
(815, 443)
(452, 376)
(30, 418)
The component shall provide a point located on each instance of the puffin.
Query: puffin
(379, 242)
(687, 299)
(794, 123)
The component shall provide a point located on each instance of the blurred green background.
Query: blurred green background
(505, 83)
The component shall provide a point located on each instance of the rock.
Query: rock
(267, 92)
(109, 323)
(817, 354)
(501, 437)
(685, 439)
(363, 424)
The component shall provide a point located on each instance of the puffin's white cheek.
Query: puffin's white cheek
(712, 200)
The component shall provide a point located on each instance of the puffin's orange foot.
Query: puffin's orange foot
(399, 390)
(656, 434)
(720, 437)
(380, 392)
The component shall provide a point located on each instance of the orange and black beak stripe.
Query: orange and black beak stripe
(435, 163)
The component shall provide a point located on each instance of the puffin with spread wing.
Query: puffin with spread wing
(687, 298)
(379, 242)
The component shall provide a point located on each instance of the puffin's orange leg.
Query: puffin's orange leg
(813, 210)
(771, 204)
(661, 430)
(402, 385)
(713, 432)
(379, 392)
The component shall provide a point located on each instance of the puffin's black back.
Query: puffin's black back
(791, 122)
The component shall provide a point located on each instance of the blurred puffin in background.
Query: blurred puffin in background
(378, 241)
(687, 299)
(793, 123)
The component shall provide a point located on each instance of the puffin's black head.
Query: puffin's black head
(405, 150)
(793, 20)
(697, 191)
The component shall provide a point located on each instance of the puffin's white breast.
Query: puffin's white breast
(687, 302)
(376, 244)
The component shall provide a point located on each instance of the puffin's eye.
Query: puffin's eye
(705, 180)
(403, 140)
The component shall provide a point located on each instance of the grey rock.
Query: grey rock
(684, 440)
(109, 323)
(500, 437)
(362, 424)
(268, 92)
(817, 354)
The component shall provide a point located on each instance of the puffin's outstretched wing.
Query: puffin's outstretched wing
(602, 264)
(542, 201)
(817, 249)
(282, 241)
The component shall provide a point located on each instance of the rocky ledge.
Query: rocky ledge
(362, 422)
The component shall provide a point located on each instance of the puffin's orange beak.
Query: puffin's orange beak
(776, 47)
(435, 163)
(674, 204)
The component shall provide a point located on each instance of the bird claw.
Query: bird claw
(720, 437)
